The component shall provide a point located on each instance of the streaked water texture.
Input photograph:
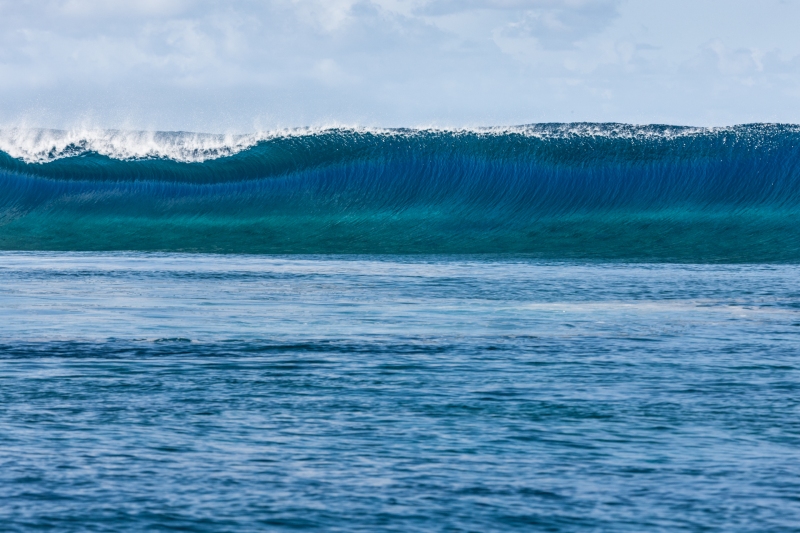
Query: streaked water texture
(561, 191)
(148, 392)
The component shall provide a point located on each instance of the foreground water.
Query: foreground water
(153, 392)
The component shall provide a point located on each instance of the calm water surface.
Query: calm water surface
(146, 392)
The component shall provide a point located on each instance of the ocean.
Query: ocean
(565, 327)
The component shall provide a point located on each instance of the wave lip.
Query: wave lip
(38, 145)
(46, 145)
(606, 191)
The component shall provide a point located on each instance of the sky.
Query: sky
(250, 65)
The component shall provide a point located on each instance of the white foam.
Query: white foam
(42, 146)
(35, 145)
(45, 145)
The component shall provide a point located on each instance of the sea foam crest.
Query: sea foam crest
(39, 145)
(45, 145)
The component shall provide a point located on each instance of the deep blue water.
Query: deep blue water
(163, 392)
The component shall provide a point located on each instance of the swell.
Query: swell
(604, 191)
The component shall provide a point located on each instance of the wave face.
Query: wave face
(561, 191)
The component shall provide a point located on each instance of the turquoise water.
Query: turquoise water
(162, 392)
(553, 191)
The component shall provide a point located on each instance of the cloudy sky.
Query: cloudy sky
(252, 65)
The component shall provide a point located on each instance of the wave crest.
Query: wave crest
(46, 145)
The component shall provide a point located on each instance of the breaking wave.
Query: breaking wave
(560, 191)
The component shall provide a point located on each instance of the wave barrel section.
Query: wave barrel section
(560, 191)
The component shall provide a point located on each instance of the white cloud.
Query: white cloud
(118, 8)
(324, 15)
(204, 64)
(560, 27)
